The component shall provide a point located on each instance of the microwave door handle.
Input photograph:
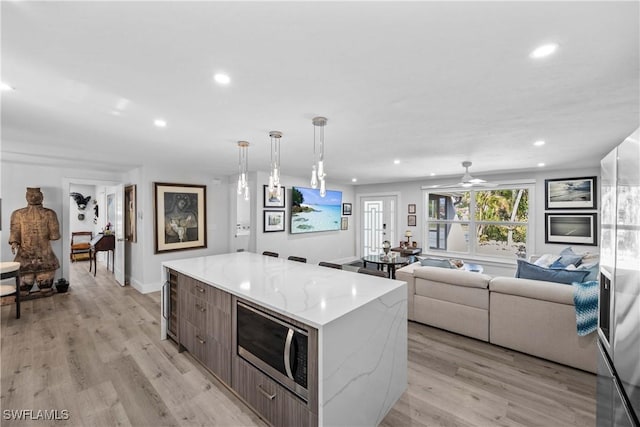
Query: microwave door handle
(287, 351)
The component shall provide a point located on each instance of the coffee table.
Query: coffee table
(388, 261)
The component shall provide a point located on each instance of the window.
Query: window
(484, 222)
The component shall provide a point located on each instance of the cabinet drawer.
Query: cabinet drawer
(271, 400)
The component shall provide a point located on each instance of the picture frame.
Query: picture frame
(571, 193)
(344, 223)
(130, 214)
(180, 216)
(273, 221)
(571, 228)
(273, 202)
(346, 209)
(412, 208)
(411, 220)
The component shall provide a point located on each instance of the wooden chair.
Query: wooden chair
(297, 258)
(373, 272)
(80, 245)
(7, 271)
(330, 265)
(273, 254)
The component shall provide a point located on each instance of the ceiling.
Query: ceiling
(430, 84)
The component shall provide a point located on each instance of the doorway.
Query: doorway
(378, 222)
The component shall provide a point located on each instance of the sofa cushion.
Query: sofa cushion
(453, 276)
(536, 289)
(593, 270)
(546, 260)
(434, 262)
(527, 270)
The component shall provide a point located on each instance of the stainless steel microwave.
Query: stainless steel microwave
(274, 346)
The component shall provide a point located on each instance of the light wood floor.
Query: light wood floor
(95, 352)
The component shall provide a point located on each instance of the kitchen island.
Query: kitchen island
(358, 365)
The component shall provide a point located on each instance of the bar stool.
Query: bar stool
(7, 271)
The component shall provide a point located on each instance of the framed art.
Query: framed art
(412, 208)
(571, 193)
(273, 221)
(130, 213)
(411, 220)
(570, 228)
(273, 202)
(180, 217)
(344, 223)
(346, 209)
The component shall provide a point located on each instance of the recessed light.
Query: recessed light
(4, 87)
(354, 179)
(432, 174)
(539, 143)
(544, 50)
(540, 165)
(222, 78)
(396, 162)
(115, 113)
(160, 123)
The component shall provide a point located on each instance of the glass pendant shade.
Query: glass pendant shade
(274, 176)
(317, 172)
(243, 169)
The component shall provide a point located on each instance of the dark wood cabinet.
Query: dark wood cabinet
(205, 325)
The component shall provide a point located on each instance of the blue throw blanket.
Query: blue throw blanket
(585, 299)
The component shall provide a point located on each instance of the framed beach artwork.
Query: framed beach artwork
(311, 212)
(571, 228)
(273, 221)
(180, 217)
(271, 200)
(571, 193)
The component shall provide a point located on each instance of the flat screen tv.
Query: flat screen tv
(311, 213)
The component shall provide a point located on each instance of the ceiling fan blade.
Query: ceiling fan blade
(476, 181)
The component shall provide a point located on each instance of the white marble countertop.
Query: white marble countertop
(309, 293)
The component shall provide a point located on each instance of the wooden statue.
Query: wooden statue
(32, 230)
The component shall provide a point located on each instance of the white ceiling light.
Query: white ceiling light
(539, 143)
(396, 162)
(222, 78)
(317, 171)
(432, 174)
(275, 190)
(541, 165)
(243, 169)
(160, 123)
(354, 179)
(4, 87)
(544, 50)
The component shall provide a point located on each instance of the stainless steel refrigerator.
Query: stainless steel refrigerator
(618, 388)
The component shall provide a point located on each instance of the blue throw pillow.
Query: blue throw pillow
(434, 262)
(526, 270)
(593, 269)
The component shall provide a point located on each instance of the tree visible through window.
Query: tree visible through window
(488, 222)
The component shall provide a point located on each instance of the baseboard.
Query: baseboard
(145, 288)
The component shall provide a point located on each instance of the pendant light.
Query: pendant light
(317, 172)
(243, 169)
(274, 177)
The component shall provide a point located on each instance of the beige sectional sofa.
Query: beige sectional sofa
(530, 316)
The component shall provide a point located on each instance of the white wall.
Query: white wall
(411, 192)
(316, 247)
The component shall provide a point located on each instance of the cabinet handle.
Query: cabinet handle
(200, 340)
(200, 289)
(265, 393)
(201, 308)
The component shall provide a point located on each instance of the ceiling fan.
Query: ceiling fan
(467, 180)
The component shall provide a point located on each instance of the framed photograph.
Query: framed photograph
(273, 202)
(273, 221)
(412, 208)
(571, 193)
(570, 228)
(130, 213)
(344, 223)
(411, 220)
(180, 217)
(346, 209)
